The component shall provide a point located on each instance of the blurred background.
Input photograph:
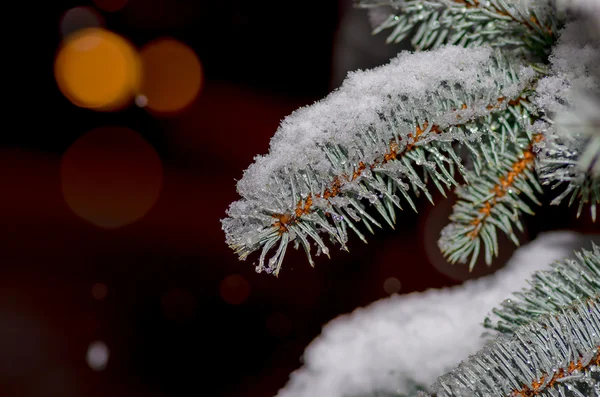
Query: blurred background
(115, 279)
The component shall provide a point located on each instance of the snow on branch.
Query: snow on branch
(565, 283)
(402, 343)
(589, 9)
(385, 132)
(556, 355)
(569, 98)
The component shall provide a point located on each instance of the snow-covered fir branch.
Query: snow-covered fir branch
(555, 355)
(567, 282)
(384, 133)
(569, 156)
(374, 351)
(490, 99)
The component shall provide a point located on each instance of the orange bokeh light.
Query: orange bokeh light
(110, 5)
(97, 69)
(111, 177)
(172, 75)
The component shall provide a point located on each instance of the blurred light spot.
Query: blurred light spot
(235, 289)
(392, 285)
(110, 5)
(97, 69)
(141, 101)
(78, 18)
(172, 75)
(97, 355)
(99, 291)
(178, 305)
(111, 177)
(278, 325)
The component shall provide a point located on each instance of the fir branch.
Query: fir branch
(571, 159)
(493, 199)
(385, 132)
(567, 282)
(499, 23)
(567, 98)
(375, 348)
(556, 355)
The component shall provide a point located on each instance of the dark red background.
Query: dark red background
(169, 331)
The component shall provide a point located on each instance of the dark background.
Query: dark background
(167, 319)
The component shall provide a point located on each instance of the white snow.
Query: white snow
(369, 110)
(366, 94)
(570, 99)
(404, 340)
(588, 8)
(575, 67)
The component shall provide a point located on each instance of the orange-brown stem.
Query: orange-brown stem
(504, 184)
(532, 18)
(536, 386)
(303, 208)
